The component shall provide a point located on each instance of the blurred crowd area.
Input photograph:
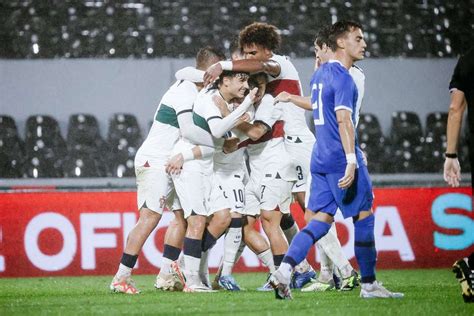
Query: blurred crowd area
(83, 152)
(155, 28)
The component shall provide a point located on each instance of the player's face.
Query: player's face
(322, 54)
(355, 44)
(261, 84)
(236, 86)
(258, 52)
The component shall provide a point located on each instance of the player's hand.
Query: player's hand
(252, 95)
(346, 181)
(245, 117)
(212, 73)
(230, 145)
(452, 172)
(221, 105)
(175, 164)
(282, 97)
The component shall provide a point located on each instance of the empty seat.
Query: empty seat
(124, 126)
(39, 166)
(83, 129)
(122, 159)
(406, 126)
(42, 126)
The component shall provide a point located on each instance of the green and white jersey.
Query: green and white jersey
(164, 132)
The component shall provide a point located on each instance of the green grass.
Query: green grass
(427, 292)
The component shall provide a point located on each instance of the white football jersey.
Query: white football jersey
(288, 80)
(164, 132)
(268, 154)
(359, 79)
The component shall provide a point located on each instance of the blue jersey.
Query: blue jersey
(332, 89)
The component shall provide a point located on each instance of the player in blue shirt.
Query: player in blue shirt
(339, 176)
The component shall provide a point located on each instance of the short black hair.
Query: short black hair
(253, 79)
(228, 73)
(340, 29)
(323, 36)
(205, 54)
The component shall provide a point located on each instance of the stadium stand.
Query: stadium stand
(44, 153)
(146, 28)
(11, 149)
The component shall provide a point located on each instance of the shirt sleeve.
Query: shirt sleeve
(186, 100)
(457, 81)
(345, 93)
(267, 113)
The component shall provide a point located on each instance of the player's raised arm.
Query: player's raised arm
(270, 67)
(220, 126)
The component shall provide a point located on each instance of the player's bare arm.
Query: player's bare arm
(253, 131)
(270, 67)
(347, 134)
(175, 163)
(452, 169)
(300, 101)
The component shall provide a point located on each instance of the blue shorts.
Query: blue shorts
(325, 196)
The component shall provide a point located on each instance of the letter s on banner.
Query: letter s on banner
(453, 221)
(50, 262)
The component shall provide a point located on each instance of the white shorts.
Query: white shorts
(155, 189)
(267, 194)
(228, 191)
(300, 154)
(193, 188)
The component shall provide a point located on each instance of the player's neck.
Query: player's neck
(343, 58)
(226, 95)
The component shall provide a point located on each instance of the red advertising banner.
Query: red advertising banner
(83, 233)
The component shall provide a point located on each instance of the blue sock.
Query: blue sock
(364, 247)
(304, 240)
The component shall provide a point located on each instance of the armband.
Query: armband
(351, 158)
(188, 155)
(226, 65)
(451, 155)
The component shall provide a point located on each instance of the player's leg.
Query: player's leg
(192, 188)
(153, 187)
(356, 202)
(173, 243)
(318, 225)
(464, 271)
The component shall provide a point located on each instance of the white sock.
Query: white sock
(191, 271)
(204, 267)
(332, 247)
(285, 269)
(327, 267)
(267, 259)
(123, 271)
(165, 266)
(231, 247)
(291, 232)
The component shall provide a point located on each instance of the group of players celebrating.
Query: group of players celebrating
(230, 145)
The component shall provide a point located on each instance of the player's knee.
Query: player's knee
(270, 217)
(222, 219)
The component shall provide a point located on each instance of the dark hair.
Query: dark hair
(227, 73)
(323, 36)
(339, 29)
(205, 54)
(253, 79)
(263, 34)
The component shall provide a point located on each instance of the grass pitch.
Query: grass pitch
(427, 292)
